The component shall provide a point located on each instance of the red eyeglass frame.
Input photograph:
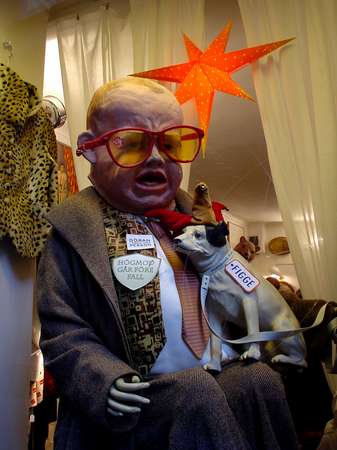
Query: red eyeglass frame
(104, 140)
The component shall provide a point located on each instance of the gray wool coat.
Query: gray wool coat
(83, 338)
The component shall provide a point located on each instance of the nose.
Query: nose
(156, 157)
(176, 242)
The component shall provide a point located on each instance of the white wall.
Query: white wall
(266, 263)
(16, 288)
(52, 80)
(27, 36)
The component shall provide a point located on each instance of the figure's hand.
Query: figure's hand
(121, 396)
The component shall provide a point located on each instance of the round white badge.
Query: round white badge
(136, 270)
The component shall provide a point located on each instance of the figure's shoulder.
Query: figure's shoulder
(77, 211)
(78, 222)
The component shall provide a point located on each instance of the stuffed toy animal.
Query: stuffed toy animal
(246, 249)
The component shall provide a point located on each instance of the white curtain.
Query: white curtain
(95, 47)
(297, 96)
(99, 45)
(158, 27)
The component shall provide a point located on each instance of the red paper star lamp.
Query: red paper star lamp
(209, 71)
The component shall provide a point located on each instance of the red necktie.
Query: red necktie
(195, 331)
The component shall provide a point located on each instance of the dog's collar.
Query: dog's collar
(220, 265)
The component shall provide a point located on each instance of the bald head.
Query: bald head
(136, 97)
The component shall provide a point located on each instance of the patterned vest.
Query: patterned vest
(141, 309)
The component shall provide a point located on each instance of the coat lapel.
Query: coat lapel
(79, 220)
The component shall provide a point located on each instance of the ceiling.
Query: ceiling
(236, 167)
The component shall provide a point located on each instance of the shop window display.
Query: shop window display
(109, 147)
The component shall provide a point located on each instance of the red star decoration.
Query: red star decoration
(209, 71)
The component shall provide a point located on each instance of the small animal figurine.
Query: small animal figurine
(240, 295)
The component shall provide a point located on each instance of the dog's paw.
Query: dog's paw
(227, 356)
(212, 366)
(253, 352)
(244, 355)
(289, 360)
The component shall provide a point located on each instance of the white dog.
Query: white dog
(239, 295)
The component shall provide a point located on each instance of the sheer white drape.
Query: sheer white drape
(97, 46)
(297, 97)
(158, 27)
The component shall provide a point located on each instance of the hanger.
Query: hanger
(7, 45)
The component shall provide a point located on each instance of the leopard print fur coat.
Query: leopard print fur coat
(28, 173)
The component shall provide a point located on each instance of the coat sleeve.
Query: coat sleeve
(83, 367)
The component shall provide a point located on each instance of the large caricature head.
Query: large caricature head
(136, 103)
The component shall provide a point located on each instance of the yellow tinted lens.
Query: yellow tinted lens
(181, 143)
(129, 147)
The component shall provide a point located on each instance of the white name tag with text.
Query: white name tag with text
(136, 270)
(139, 241)
(241, 275)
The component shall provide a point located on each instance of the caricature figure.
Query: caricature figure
(127, 374)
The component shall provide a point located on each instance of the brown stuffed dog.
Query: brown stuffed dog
(246, 249)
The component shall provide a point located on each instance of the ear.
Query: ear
(242, 239)
(216, 236)
(89, 154)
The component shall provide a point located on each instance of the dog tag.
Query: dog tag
(241, 275)
(139, 241)
(136, 270)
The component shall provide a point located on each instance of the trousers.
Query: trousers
(242, 408)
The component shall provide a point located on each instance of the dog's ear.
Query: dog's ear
(216, 236)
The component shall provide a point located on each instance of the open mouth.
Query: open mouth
(179, 245)
(151, 178)
(181, 249)
(176, 245)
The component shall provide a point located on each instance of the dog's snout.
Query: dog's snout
(176, 242)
